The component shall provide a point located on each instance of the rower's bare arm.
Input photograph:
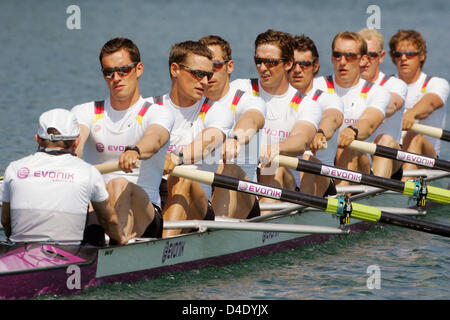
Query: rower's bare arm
(331, 121)
(205, 143)
(248, 124)
(299, 139)
(84, 134)
(422, 109)
(110, 222)
(369, 121)
(395, 104)
(6, 218)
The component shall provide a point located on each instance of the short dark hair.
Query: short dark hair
(282, 39)
(117, 44)
(214, 40)
(180, 51)
(66, 144)
(303, 43)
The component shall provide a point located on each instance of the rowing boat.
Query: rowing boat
(30, 269)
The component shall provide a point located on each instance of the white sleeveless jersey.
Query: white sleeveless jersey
(111, 131)
(427, 84)
(393, 124)
(326, 100)
(49, 196)
(358, 98)
(191, 121)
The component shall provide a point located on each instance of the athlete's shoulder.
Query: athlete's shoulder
(87, 106)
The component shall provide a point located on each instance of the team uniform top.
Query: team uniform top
(356, 99)
(191, 121)
(49, 196)
(427, 84)
(239, 102)
(112, 130)
(393, 124)
(283, 111)
(326, 100)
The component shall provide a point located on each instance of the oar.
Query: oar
(109, 167)
(408, 188)
(339, 206)
(434, 132)
(400, 155)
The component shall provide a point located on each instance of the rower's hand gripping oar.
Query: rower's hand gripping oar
(430, 131)
(415, 189)
(109, 167)
(341, 206)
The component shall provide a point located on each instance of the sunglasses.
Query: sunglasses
(121, 71)
(408, 54)
(199, 74)
(217, 65)
(349, 56)
(303, 63)
(373, 54)
(269, 63)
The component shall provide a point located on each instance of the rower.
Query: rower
(292, 118)
(365, 104)
(127, 127)
(240, 152)
(46, 195)
(389, 132)
(301, 77)
(200, 127)
(427, 95)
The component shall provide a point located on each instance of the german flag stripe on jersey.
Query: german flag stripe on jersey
(296, 100)
(365, 89)
(142, 112)
(330, 84)
(385, 79)
(205, 108)
(425, 83)
(255, 86)
(99, 110)
(158, 100)
(237, 97)
(317, 94)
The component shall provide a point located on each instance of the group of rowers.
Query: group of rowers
(209, 122)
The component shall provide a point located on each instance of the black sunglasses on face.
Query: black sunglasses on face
(303, 63)
(373, 54)
(408, 54)
(121, 71)
(217, 65)
(269, 63)
(199, 74)
(349, 56)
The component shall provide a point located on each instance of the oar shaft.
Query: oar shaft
(430, 131)
(399, 155)
(415, 224)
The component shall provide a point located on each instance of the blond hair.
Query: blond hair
(369, 34)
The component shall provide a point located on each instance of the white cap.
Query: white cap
(62, 120)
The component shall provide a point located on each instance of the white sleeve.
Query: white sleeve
(397, 86)
(84, 113)
(440, 87)
(221, 118)
(99, 192)
(310, 111)
(252, 102)
(161, 115)
(330, 101)
(242, 84)
(379, 98)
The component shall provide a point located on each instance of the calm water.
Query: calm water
(46, 65)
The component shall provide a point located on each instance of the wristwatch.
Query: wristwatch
(133, 147)
(320, 131)
(355, 130)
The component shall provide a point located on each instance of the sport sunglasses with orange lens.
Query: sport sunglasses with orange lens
(218, 65)
(121, 71)
(199, 74)
(373, 54)
(270, 63)
(408, 54)
(349, 56)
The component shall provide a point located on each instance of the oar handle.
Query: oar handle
(109, 167)
(430, 131)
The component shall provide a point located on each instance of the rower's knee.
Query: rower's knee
(386, 140)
